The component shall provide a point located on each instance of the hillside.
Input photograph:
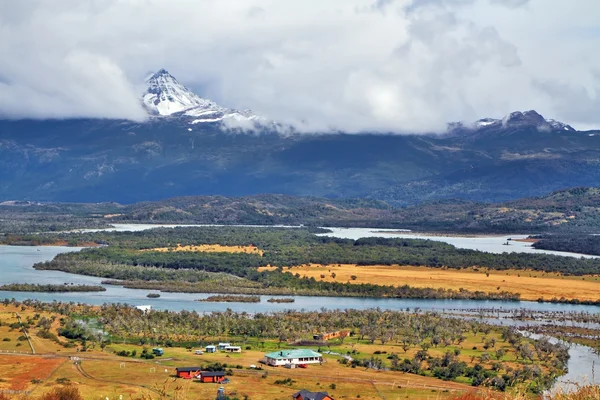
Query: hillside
(572, 210)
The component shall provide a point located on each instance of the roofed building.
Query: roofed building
(306, 395)
(293, 357)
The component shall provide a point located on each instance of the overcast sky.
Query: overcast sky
(354, 65)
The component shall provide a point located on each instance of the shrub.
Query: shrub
(63, 393)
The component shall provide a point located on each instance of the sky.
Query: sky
(353, 65)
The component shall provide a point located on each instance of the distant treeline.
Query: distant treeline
(288, 247)
(29, 287)
(583, 244)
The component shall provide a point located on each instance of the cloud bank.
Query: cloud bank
(352, 65)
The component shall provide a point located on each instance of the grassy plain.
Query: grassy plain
(210, 248)
(530, 284)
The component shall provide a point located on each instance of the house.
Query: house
(188, 372)
(210, 349)
(331, 335)
(233, 349)
(222, 346)
(212, 376)
(306, 395)
(295, 357)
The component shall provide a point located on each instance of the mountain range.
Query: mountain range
(192, 146)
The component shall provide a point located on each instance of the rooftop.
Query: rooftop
(306, 395)
(297, 353)
(189, 369)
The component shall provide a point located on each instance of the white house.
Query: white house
(233, 349)
(293, 357)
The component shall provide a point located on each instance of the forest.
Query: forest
(582, 244)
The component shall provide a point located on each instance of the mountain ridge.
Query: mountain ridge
(177, 155)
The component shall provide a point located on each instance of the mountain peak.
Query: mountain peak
(166, 96)
(516, 119)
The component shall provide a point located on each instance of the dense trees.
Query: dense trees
(583, 244)
(49, 288)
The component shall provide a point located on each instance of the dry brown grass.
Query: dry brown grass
(530, 284)
(210, 248)
(18, 371)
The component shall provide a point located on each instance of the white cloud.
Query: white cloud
(354, 65)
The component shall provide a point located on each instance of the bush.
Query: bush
(63, 393)
(6, 339)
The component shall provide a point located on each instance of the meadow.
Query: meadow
(530, 284)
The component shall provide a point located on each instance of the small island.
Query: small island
(281, 300)
(153, 295)
(62, 288)
(232, 299)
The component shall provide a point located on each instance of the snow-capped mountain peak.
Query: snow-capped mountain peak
(166, 96)
(516, 119)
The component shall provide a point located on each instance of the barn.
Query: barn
(188, 372)
(212, 376)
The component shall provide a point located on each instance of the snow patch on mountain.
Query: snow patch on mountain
(513, 120)
(165, 97)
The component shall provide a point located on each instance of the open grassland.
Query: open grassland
(19, 371)
(261, 385)
(531, 285)
(209, 248)
(101, 375)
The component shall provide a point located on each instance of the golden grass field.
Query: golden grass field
(530, 284)
(210, 248)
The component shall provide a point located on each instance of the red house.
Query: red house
(212, 376)
(188, 372)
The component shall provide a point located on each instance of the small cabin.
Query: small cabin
(210, 349)
(223, 345)
(188, 372)
(233, 349)
(212, 376)
(331, 335)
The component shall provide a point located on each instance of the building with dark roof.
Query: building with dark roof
(306, 395)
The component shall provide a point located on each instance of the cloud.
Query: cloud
(353, 65)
